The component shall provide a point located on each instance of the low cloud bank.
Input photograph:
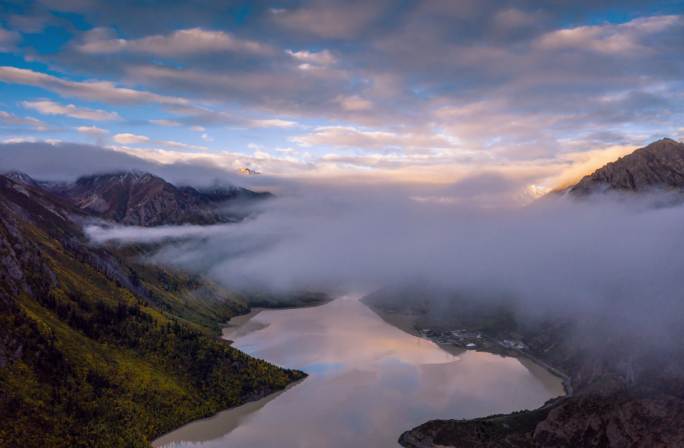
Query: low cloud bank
(619, 258)
(68, 161)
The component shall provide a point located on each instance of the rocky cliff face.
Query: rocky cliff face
(659, 165)
(142, 199)
(617, 420)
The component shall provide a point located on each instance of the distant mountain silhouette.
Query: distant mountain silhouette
(143, 199)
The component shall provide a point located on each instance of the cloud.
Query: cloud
(128, 139)
(92, 131)
(317, 58)
(478, 82)
(179, 145)
(11, 119)
(274, 123)
(271, 89)
(225, 160)
(330, 19)
(626, 38)
(59, 161)
(560, 258)
(354, 103)
(178, 43)
(586, 162)
(47, 107)
(90, 90)
(506, 21)
(8, 40)
(164, 122)
(350, 137)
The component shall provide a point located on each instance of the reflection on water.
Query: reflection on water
(369, 382)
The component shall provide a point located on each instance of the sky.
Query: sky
(418, 91)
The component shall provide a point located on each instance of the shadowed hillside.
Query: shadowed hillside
(94, 352)
(142, 199)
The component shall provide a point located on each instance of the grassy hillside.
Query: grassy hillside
(191, 298)
(93, 352)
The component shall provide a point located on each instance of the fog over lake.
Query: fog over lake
(368, 382)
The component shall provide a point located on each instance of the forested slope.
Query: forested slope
(95, 353)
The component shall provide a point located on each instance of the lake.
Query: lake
(368, 382)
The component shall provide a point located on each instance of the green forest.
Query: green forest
(102, 352)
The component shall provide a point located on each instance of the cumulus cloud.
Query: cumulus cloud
(47, 107)
(521, 84)
(178, 43)
(130, 139)
(92, 130)
(274, 123)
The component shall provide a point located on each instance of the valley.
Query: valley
(367, 381)
(137, 343)
(341, 224)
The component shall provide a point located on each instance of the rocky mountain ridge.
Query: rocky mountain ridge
(143, 199)
(657, 166)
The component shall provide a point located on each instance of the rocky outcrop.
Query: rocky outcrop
(620, 419)
(659, 165)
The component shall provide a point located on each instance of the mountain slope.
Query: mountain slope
(625, 394)
(659, 165)
(142, 199)
(94, 356)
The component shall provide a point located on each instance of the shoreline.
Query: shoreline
(406, 322)
(421, 436)
(213, 426)
(226, 421)
(237, 322)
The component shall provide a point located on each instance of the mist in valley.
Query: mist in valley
(610, 260)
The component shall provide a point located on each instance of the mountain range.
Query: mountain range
(143, 199)
(97, 349)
